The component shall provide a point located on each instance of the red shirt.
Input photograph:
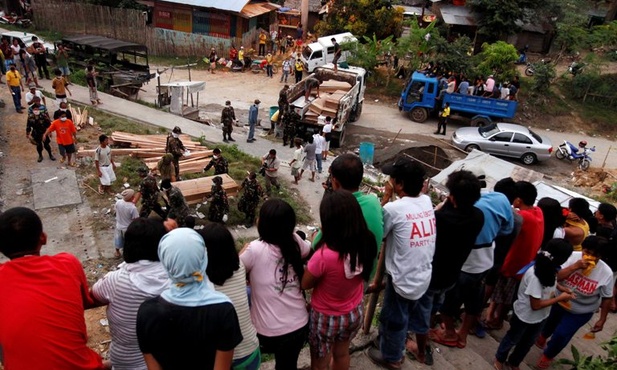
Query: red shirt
(42, 322)
(527, 243)
(64, 131)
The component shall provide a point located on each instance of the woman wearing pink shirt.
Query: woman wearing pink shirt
(342, 261)
(274, 265)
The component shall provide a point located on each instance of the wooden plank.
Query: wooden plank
(197, 190)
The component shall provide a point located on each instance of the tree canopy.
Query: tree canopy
(498, 18)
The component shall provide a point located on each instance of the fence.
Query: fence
(68, 18)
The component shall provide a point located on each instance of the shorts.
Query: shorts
(295, 171)
(335, 60)
(325, 330)
(310, 164)
(429, 303)
(61, 99)
(65, 71)
(505, 290)
(469, 291)
(66, 149)
(107, 175)
(119, 238)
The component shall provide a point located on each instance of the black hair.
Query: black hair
(555, 253)
(595, 244)
(276, 224)
(526, 192)
(141, 240)
(464, 187)
(89, 68)
(608, 211)
(412, 179)
(506, 186)
(553, 217)
(102, 138)
(272, 152)
(347, 169)
(309, 139)
(223, 258)
(189, 221)
(344, 230)
(20, 232)
(166, 184)
(57, 72)
(581, 208)
(216, 151)
(301, 234)
(252, 175)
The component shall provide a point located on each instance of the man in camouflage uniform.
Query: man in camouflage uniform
(218, 162)
(176, 148)
(219, 206)
(250, 198)
(228, 117)
(290, 120)
(38, 123)
(283, 102)
(177, 207)
(149, 195)
(294, 127)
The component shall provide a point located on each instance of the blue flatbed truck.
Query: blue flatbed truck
(419, 99)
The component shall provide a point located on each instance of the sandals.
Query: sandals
(437, 337)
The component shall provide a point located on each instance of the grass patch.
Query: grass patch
(174, 61)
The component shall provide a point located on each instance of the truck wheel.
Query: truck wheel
(338, 140)
(355, 115)
(479, 122)
(528, 158)
(418, 115)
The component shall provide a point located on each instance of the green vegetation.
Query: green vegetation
(582, 362)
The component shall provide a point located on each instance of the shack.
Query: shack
(122, 66)
(182, 97)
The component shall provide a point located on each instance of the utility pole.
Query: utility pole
(304, 13)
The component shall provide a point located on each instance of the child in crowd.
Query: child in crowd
(60, 86)
(342, 261)
(533, 305)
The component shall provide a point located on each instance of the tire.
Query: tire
(353, 117)
(479, 122)
(255, 68)
(584, 164)
(529, 158)
(529, 71)
(471, 147)
(560, 154)
(338, 140)
(418, 115)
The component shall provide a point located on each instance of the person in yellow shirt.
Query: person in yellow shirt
(269, 59)
(299, 67)
(241, 57)
(443, 119)
(262, 43)
(16, 86)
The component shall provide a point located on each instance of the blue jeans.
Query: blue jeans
(269, 70)
(16, 90)
(521, 335)
(251, 130)
(394, 323)
(284, 76)
(318, 158)
(561, 326)
(428, 304)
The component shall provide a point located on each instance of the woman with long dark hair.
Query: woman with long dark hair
(274, 264)
(228, 275)
(533, 304)
(342, 261)
(579, 222)
(553, 219)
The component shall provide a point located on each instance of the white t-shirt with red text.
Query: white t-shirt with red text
(409, 228)
(589, 290)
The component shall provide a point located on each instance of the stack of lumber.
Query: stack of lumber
(80, 118)
(326, 105)
(197, 190)
(330, 86)
(152, 147)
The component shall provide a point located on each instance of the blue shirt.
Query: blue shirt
(464, 88)
(253, 110)
(498, 217)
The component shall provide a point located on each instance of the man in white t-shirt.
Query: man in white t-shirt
(327, 132)
(34, 92)
(320, 144)
(126, 212)
(409, 229)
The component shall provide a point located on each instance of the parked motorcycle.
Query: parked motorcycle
(529, 70)
(576, 68)
(572, 153)
(260, 65)
(15, 20)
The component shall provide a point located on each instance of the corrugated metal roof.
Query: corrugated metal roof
(457, 15)
(314, 5)
(230, 5)
(105, 43)
(251, 10)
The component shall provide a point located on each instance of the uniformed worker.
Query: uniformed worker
(177, 207)
(176, 148)
(149, 195)
(219, 206)
(218, 162)
(228, 117)
(250, 198)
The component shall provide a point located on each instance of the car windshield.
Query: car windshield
(306, 53)
(536, 136)
(489, 130)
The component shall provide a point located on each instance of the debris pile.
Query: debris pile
(600, 181)
(81, 118)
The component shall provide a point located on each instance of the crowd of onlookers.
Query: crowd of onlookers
(184, 298)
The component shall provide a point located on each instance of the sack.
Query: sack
(229, 64)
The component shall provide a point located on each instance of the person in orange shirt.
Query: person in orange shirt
(66, 136)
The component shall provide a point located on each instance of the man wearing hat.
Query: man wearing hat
(176, 148)
(149, 195)
(33, 92)
(409, 229)
(126, 212)
(228, 117)
(177, 207)
(253, 112)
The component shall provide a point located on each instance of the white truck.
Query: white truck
(320, 53)
(343, 104)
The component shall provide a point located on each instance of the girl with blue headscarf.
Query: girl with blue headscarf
(190, 323)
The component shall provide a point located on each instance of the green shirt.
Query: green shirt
(373, 214)
(62, 60)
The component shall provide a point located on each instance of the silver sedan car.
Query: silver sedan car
(505, 139)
